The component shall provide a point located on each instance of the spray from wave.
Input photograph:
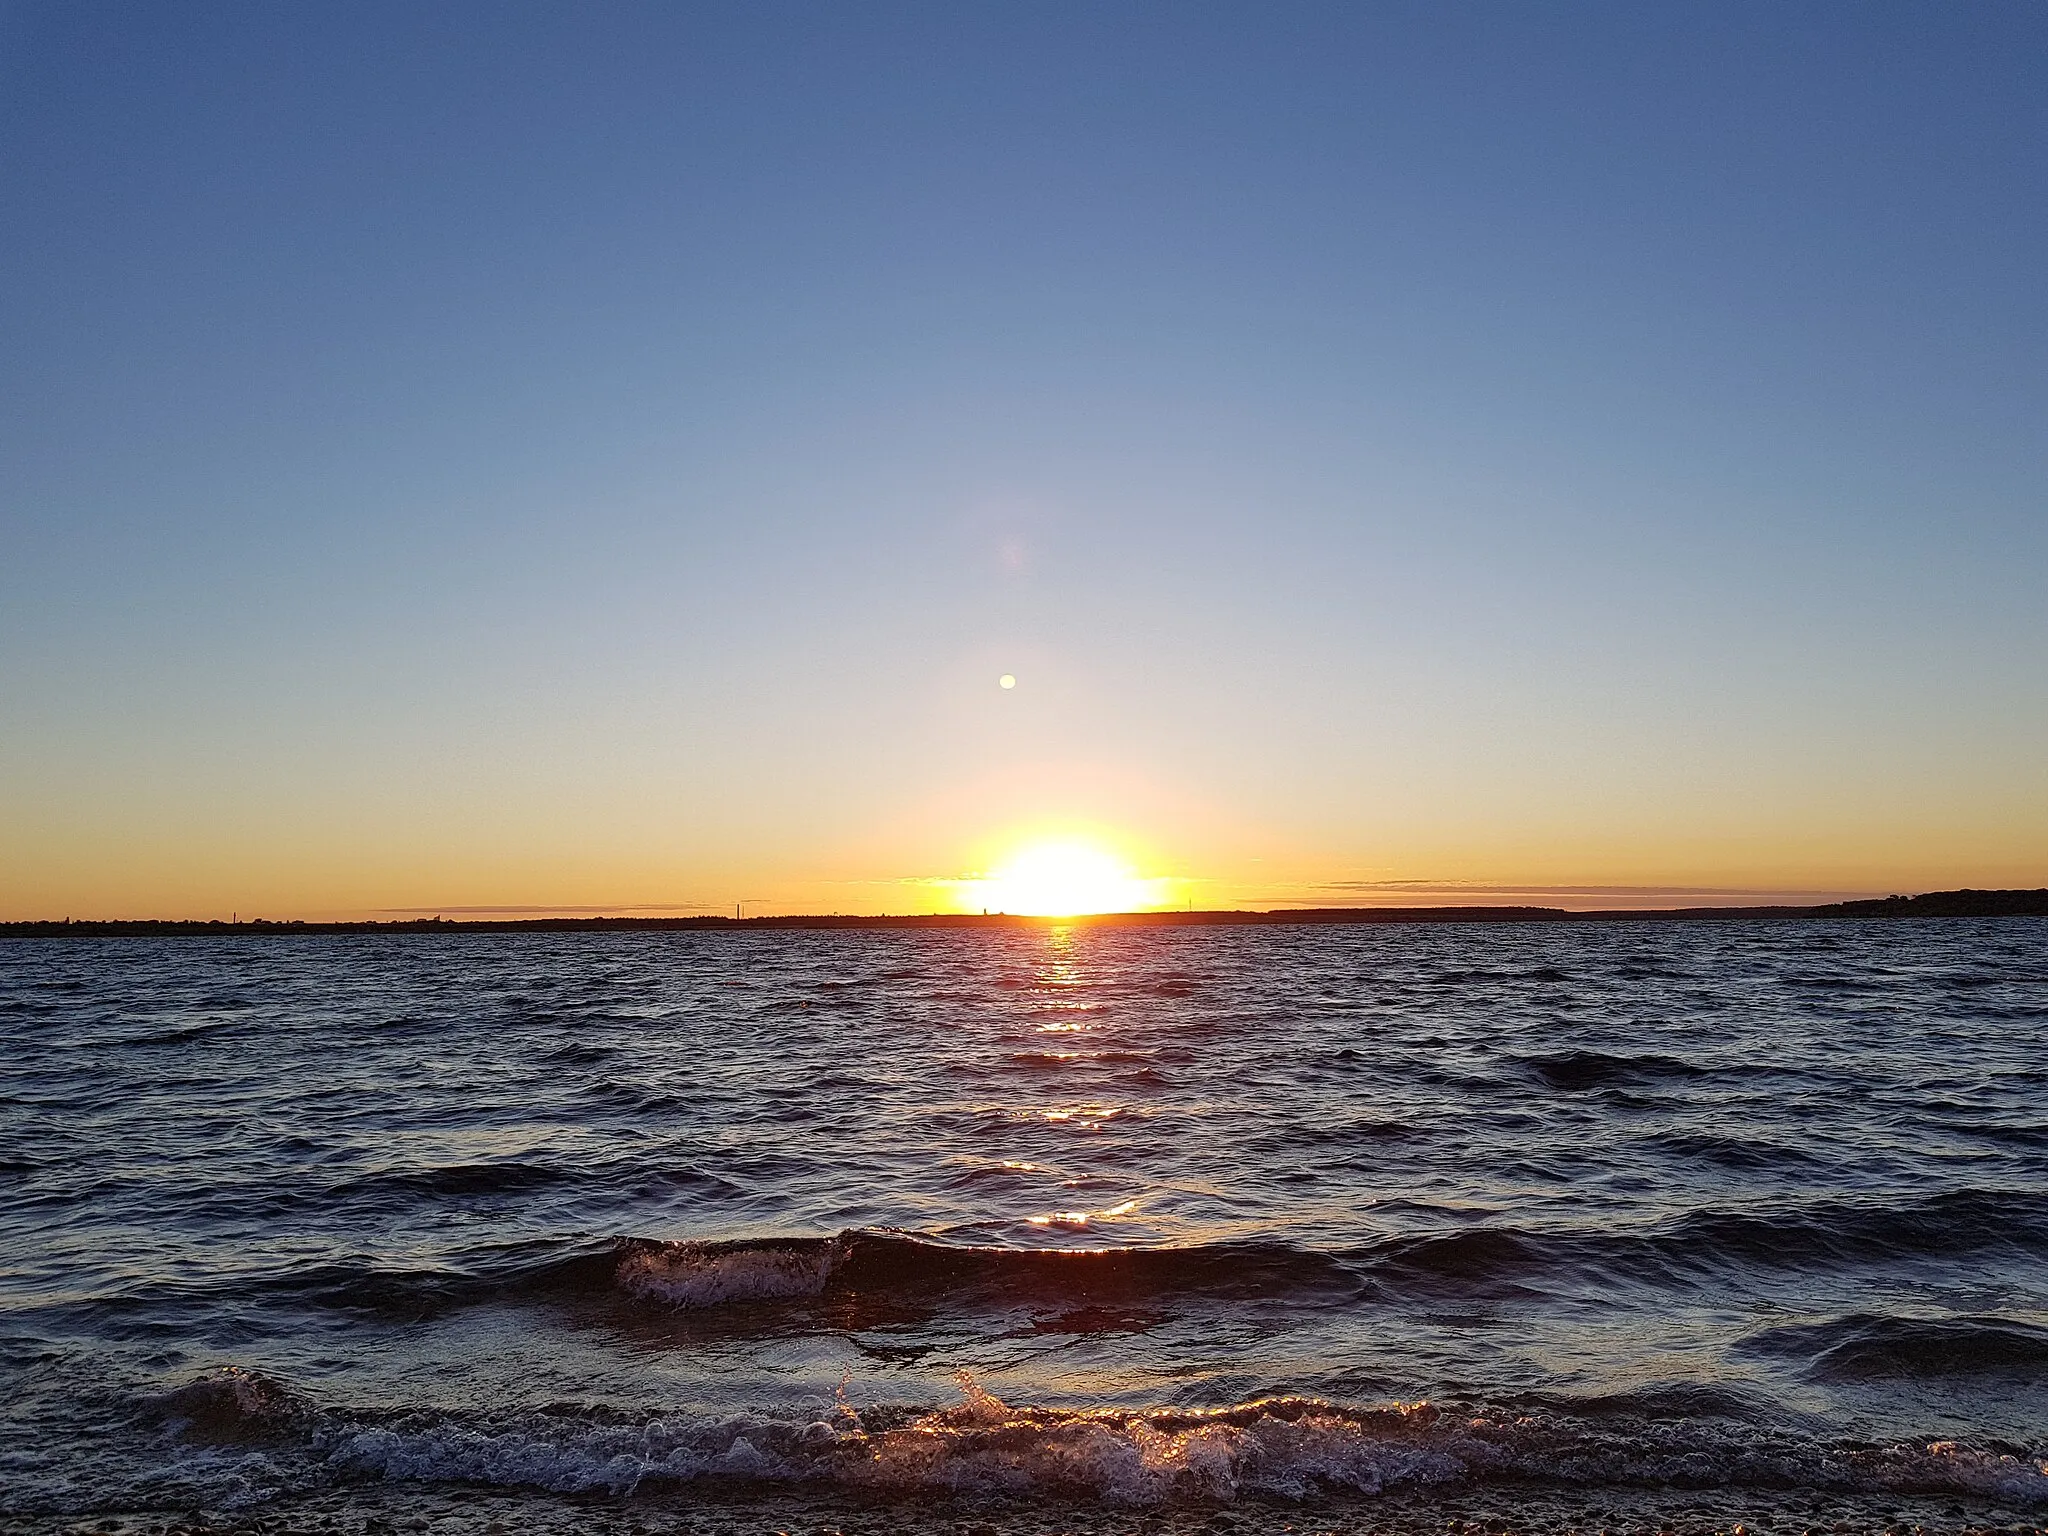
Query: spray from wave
(690, 1274)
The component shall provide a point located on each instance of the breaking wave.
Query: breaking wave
(232, 1406)
(1490, 1259)
(697, 1274)
(707, 1274)
(1286, 1447)
(1811, 1235)
(1866, 1347)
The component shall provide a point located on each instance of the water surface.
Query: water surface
(1118, 1213)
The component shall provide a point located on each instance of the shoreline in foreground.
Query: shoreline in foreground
(1493, 1509)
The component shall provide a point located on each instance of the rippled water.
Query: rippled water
(1196, 1211)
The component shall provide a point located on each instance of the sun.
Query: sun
(1065, 878)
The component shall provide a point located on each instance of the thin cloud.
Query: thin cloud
(1468, 889)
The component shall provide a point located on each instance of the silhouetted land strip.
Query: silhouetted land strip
(1964, 903)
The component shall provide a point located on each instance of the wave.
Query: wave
(698, 1274)
(1866, 1347)
(513, 1269)
(1575, 1071)
(1760, 1153)
(1288, 1447)
(1701, 1247)
(454, 1181)
(1844, 1231)
(1062, 1059)
(232, 1406)
(708, 1274)
(1483, 1260)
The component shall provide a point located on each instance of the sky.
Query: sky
(480, 457)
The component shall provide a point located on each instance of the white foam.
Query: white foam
(1946, 1467)
(1289, 1447)
(706, 1275)
(1126, 1458)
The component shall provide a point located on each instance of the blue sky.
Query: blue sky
(585, 455)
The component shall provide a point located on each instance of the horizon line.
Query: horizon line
(1961, 901)
(1786, 896)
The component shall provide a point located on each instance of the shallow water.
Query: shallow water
(1197, 1212)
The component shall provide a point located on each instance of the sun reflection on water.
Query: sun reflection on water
(1060, 981)
(1080, 1220)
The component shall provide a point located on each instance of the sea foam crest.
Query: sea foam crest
(1948, 1467)
(1286, 1447)
(1290, 1447)
(980, 1445)
(232, 1405)
(692, 1274)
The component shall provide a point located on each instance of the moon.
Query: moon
(1006, 681)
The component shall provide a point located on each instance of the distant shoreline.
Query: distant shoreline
(1962, 903)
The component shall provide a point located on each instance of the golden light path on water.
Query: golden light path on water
(1060, 972)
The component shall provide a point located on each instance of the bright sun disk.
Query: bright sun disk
(1064, 879)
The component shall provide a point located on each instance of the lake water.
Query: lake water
(1132, 1215)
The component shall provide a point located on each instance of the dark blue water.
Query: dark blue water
(1116, 1213)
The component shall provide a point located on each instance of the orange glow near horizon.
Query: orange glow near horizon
(1063, 877)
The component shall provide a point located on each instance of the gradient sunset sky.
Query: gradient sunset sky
(461, 457)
